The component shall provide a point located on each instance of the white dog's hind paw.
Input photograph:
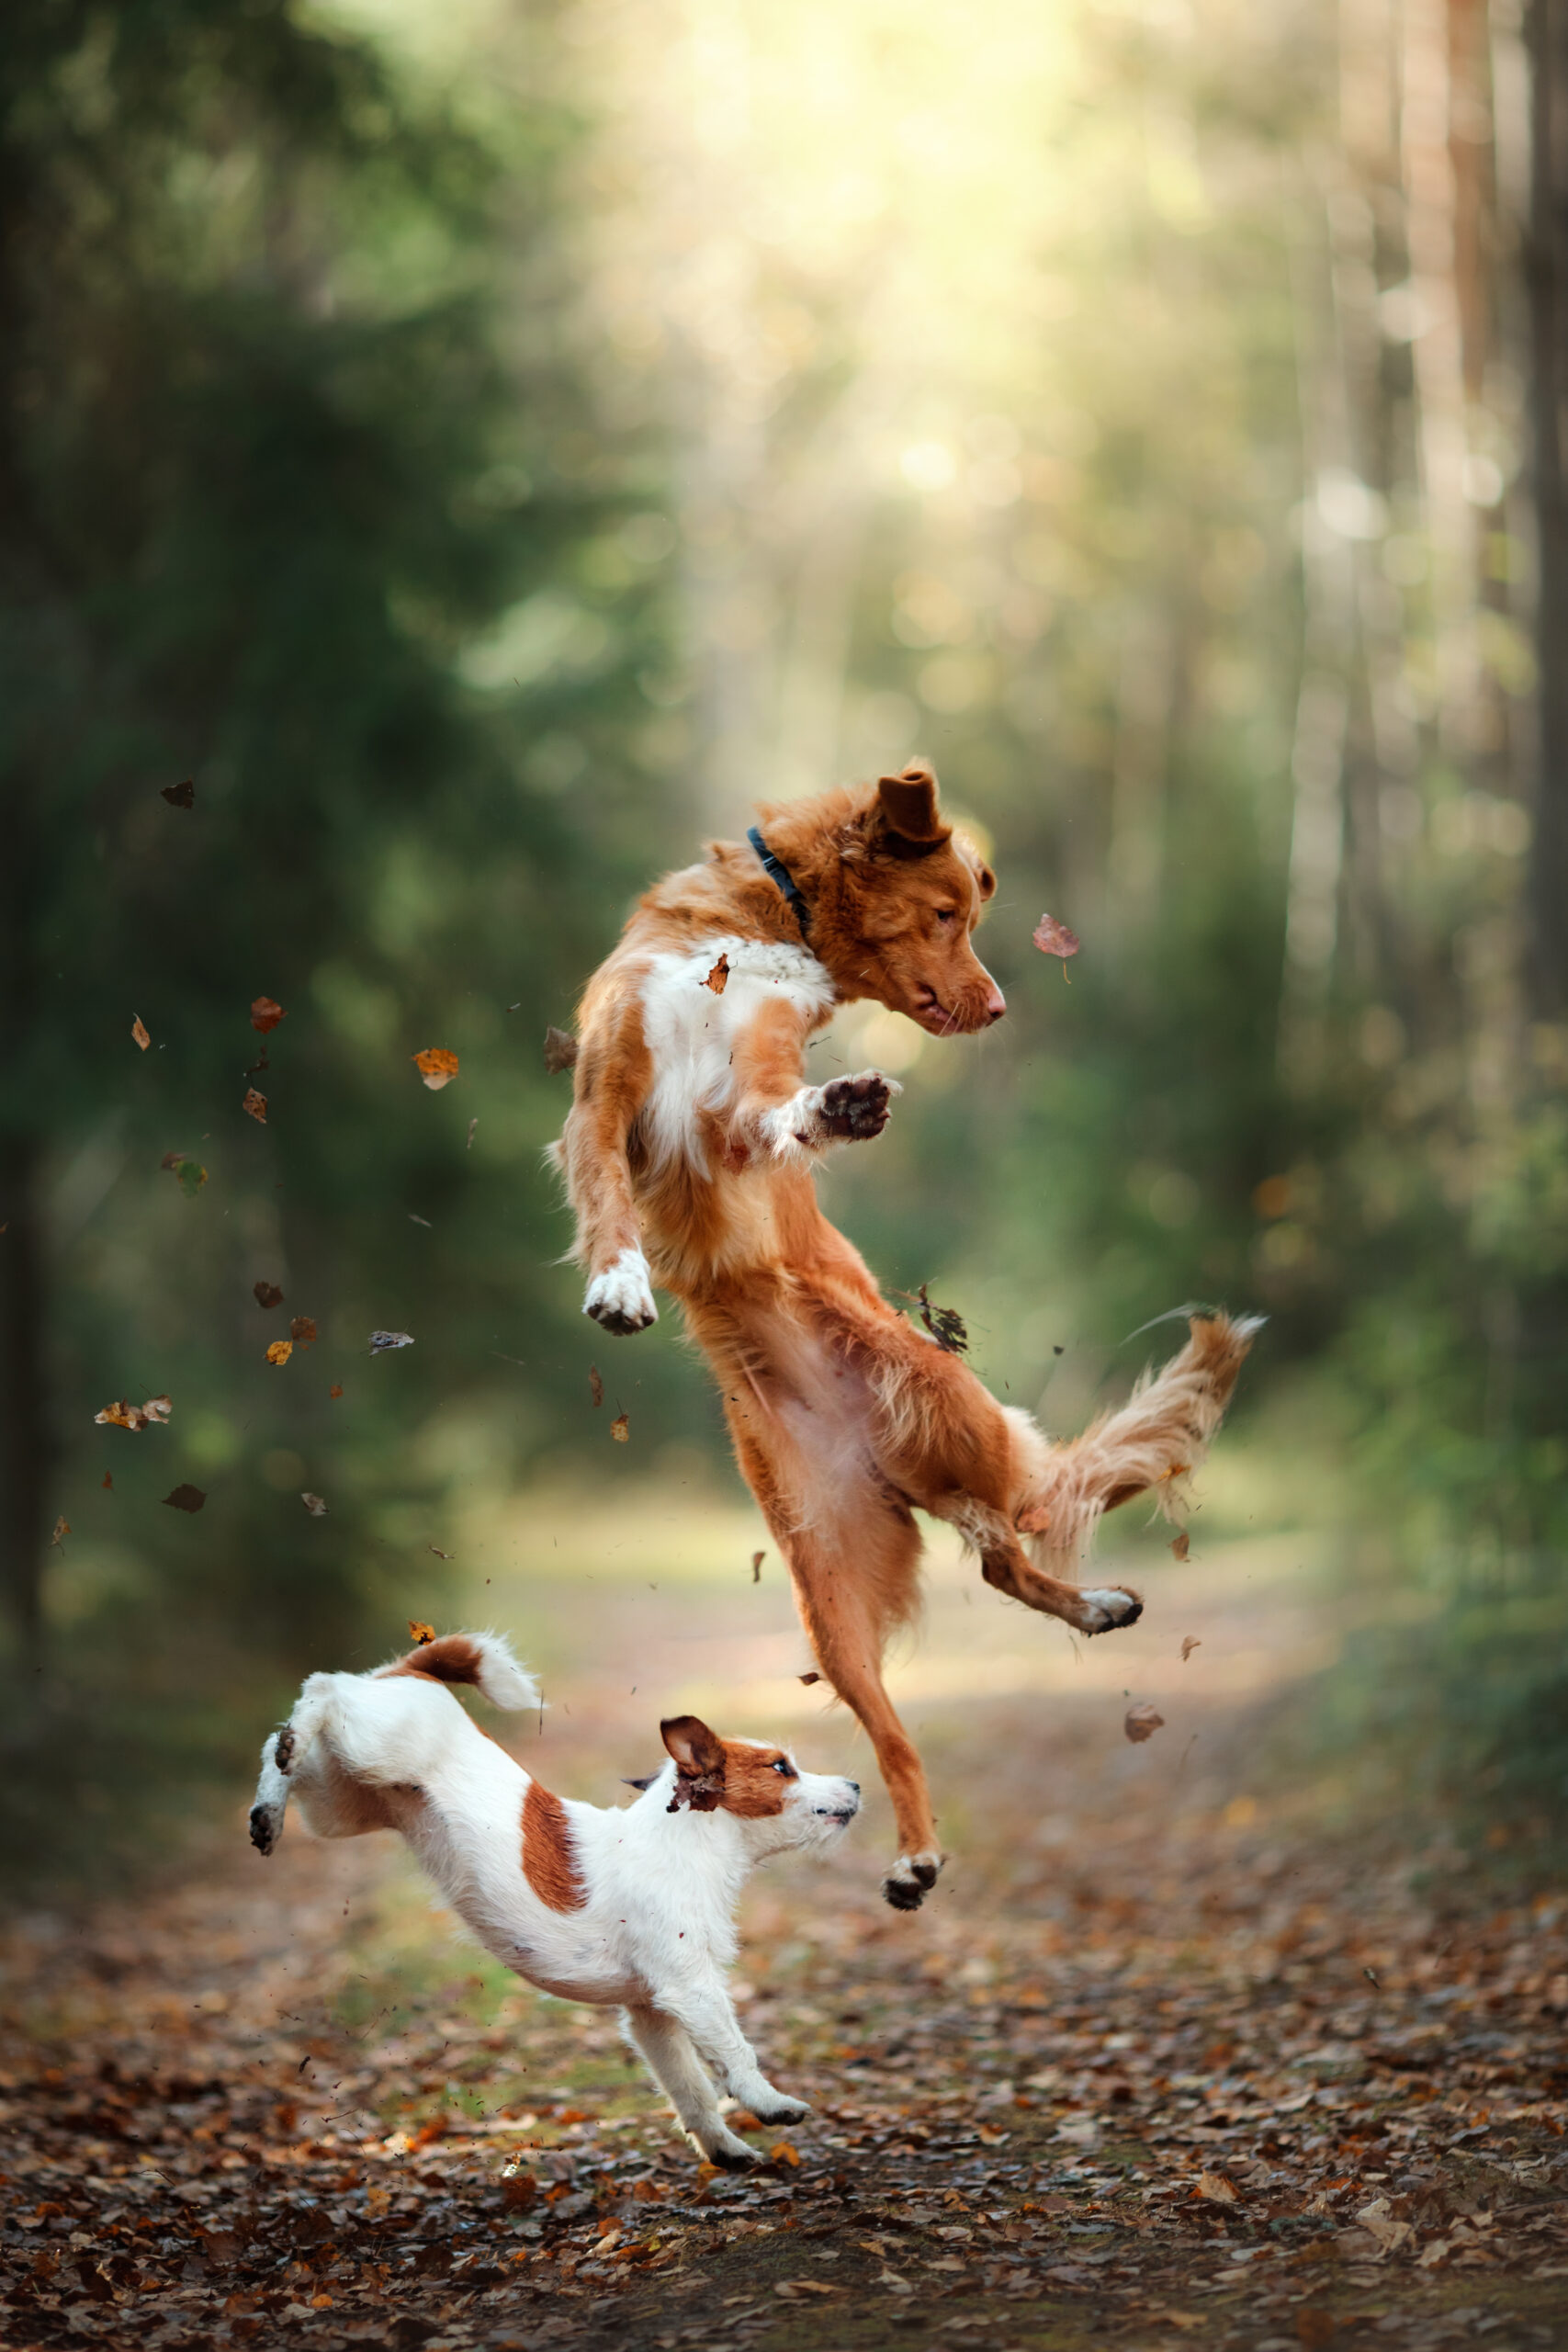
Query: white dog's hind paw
(722, 2149)
(621, 1299)
(1108, 1607)
(910, 1880)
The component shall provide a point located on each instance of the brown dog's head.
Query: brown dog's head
(894, 895)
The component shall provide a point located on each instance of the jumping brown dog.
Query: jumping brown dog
(688, 1156)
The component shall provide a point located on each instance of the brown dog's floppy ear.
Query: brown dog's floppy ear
(699, 1762)
(907, 803)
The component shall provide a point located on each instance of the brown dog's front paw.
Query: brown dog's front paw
(855, 1109)
(910, 1880)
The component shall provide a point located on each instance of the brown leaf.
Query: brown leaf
(1053, 938)
(158, 1408)
(254, 1106)
(718, 979)
(441, 1555)
(109, 1481)
(437, 1066)
(185, 1498)
(1217, 2188)
(812, 1677)
(302, 1330)
(268, 1295)
(620, 1428)
(265, 1013)
(382, 1341)
(179, 796)
(756, 1560)
(561, 1051)
(280, 1351)
(1180, 1544)
(1189, 1642)
(336, 1388)
(138, 1030)
(595, 1385)
(62, 1529)
(136, 1417)
(315, 1505)
(1142, 1722)
(420, 1633)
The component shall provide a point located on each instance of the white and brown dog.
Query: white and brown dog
(631, 1909)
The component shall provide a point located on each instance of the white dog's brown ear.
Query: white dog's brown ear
(908, 803)
(699, 1762)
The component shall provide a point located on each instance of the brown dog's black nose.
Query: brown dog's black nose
(996, 1003)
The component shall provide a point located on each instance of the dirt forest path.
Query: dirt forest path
(1166, 2060)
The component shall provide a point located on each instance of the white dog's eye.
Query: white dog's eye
(783, 1766)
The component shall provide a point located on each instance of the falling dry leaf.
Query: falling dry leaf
(265, 1013)
(138, 1030)
(336, 1388)
(62, 1529)
(813, 1676)
(561, 1051)
(756, 1560)
(1180, 1543)
(254, 1106)
(302, 1330)
(179, 796)
(441, 1555)
(718, 979)
(1189, 1642)
(380, 1341)
(1053, 938)
(620, 1428)
(419, 1634)
(1142, 1722)
(109, 1481)
(595, 1385)
(280, 1351)
(470, 1144)
(136, 1417)
(944, 1324)
(315, 1505)
(268, 1295)
(437, 1066)
(185, 1498)
(188, 1173)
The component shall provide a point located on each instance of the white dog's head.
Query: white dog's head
(776, 1808)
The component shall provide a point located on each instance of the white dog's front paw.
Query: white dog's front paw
(777, 2106)
(621, 1299)
(1108, 1607)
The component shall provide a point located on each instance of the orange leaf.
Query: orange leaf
(265, 1013)
(782, 2153)
(437, 1066)
(1142, 1722)
(138, 1030)
(302, 1330)
(280, 1351)
(419, 1634)
(256, 1105)
(109, 1481)
(620, 1429)
(1180, 1544)
(336, 1388)
(718, 979)
(1053, 938)
(595, 1385)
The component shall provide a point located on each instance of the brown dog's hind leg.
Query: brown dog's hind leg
(1004, 1564)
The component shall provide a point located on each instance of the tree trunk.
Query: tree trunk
(1548, 270)
(25, 1445)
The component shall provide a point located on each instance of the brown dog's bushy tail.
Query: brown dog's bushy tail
(1146, 1447)
(485, 1661)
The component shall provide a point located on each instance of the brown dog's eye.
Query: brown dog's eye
(946, 915)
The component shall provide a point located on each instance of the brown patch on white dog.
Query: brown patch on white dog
(550, 1857)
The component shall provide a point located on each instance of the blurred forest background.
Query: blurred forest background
(484, 448)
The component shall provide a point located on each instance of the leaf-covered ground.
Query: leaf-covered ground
(1162, 2061)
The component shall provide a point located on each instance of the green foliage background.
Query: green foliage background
(323, 484)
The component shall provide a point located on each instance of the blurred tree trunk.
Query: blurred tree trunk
(25, 1446)
(1548, 270)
